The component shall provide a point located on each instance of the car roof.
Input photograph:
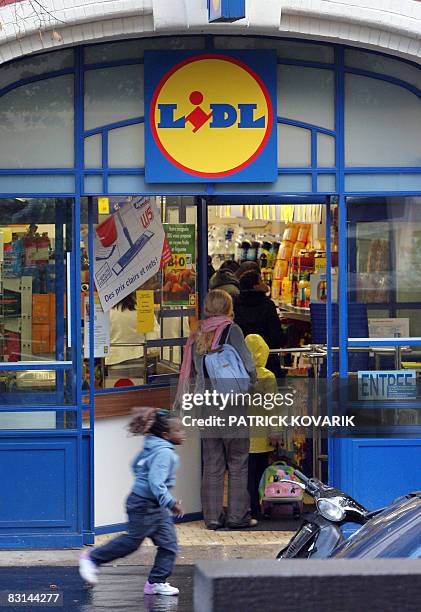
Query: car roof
(395, 532)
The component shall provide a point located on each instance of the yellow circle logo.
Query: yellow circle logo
(211, 115)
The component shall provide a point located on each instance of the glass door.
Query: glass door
(293, 246)
(40, 390)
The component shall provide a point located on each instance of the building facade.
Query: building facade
(77, 83)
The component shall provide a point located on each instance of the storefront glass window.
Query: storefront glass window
(306, 94)
(128, 184)
(93, 151)
(36, 65)
(294, 146)
(382, 124)
(37, 183)
(383, 65)
(372, 401)
(35, 387)
(36, 242)
(126, 147)
(400, 181)
(326, 183)
(27, 115)
(294, 183)
(93, 184)
(325, 151)
(38, 419)
(136, 358)
(113, 94)
(384, 239)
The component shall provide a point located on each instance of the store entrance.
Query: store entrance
(294, 247)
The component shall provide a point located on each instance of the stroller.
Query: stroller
(280, 499)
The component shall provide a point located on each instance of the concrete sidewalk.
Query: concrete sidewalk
(121, 583)
(196, 543)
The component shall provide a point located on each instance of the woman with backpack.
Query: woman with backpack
(221, 448)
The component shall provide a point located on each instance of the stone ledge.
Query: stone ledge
(318, 585)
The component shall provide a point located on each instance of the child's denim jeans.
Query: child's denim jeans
(146, 520)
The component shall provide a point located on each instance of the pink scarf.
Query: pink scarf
(216, 324)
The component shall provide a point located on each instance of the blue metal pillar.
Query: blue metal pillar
(328, 292)
(76, 276)
(343, 289)
(342, 233)
(202, 247)
(89, 521)
(60, 281)
(335, 444)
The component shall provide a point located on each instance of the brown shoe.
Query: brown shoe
(214, 525)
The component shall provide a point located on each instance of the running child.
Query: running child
(150, 504)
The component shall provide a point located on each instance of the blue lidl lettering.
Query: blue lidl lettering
(221, 116)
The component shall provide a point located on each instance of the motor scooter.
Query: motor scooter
(387, 532)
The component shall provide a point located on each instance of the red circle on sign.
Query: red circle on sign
(161, 84)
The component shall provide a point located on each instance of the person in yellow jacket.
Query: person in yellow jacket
(260, 447)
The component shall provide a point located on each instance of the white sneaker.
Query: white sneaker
(160, 588)
(87, 569)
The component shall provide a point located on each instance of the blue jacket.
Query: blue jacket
(154, 469)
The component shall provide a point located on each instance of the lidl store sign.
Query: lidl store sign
(387, 385)
(211, 117)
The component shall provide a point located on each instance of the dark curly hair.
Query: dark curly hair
(154, 421)
(247, 266)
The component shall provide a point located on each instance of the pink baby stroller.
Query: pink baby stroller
(280, 499)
